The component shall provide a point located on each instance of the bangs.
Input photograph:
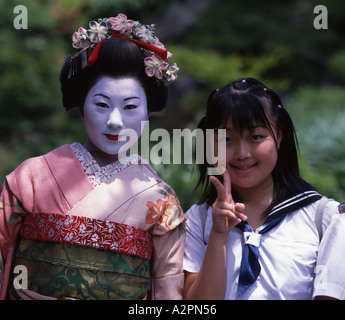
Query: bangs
(119, 57)
(246, 111)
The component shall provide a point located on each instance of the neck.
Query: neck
(101, 157)
(257, 200)
(262, 191)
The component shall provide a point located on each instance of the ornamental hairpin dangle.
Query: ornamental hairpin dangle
(153, 51)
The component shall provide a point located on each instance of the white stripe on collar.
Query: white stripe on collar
(293, 200)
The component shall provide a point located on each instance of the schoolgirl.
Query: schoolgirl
(259, 230)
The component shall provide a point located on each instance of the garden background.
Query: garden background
(213, 42)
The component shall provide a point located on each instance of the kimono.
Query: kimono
(87, 232)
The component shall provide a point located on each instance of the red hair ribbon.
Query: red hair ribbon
(95, 52)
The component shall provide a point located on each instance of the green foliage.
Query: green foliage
(216, 69)
(254, 28)
(319, 117)
(29, 58)
(337, 64)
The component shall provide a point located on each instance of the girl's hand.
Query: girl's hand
(225, 213)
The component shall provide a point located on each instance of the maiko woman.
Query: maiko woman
(85, 223)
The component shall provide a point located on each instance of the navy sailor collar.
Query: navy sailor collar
(291, 200)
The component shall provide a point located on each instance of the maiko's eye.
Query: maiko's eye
(102, 105)
(130, 107)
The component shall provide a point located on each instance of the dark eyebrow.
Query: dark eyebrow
(105, 96)
(129, 98)
(102, 95)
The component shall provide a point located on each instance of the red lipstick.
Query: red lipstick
(112, 137)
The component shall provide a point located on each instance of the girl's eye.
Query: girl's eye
(224, 140)
(257, 137)
(130, 107)
(101, 105)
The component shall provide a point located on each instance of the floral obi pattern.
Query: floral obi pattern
(85, 231)
(78, 257)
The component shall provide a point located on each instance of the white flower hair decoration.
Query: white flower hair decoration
(154, 53)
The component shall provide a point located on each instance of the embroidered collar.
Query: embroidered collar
(94, 172)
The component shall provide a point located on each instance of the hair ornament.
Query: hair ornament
(153, 51)
(265, 89)
(279, 106)
(244, 80)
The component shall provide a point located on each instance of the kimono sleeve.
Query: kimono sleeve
(167, 272)
(329, 272)
(168, 237)
(10, 222)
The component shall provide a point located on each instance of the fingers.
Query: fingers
(223, 189)
(227, 185)
(225, 213)
(239, 209)
(221, 193)
(224, 209)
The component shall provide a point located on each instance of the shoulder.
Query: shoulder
(32, 168)
(326, 209)
(333, 214)
(194, 211)
(164, 209)
(321, 214)
(197, 215)
(28, 168)
(32, 163)
(160, 186)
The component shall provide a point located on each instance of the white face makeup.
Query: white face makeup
(111, 107)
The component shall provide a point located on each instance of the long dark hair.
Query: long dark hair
(117, 58)
(249, 102)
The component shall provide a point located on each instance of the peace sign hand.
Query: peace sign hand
(225, 213)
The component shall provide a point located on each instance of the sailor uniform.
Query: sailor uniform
(281, 258)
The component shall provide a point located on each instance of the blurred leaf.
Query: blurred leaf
(319, 117)
(337, 64)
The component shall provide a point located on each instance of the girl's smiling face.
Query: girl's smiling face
(251, 155)
(111, 106)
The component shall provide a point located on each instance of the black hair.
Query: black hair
(117, 58)
(249, 102)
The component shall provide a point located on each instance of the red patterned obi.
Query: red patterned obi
(73, 257)
(88, 232)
